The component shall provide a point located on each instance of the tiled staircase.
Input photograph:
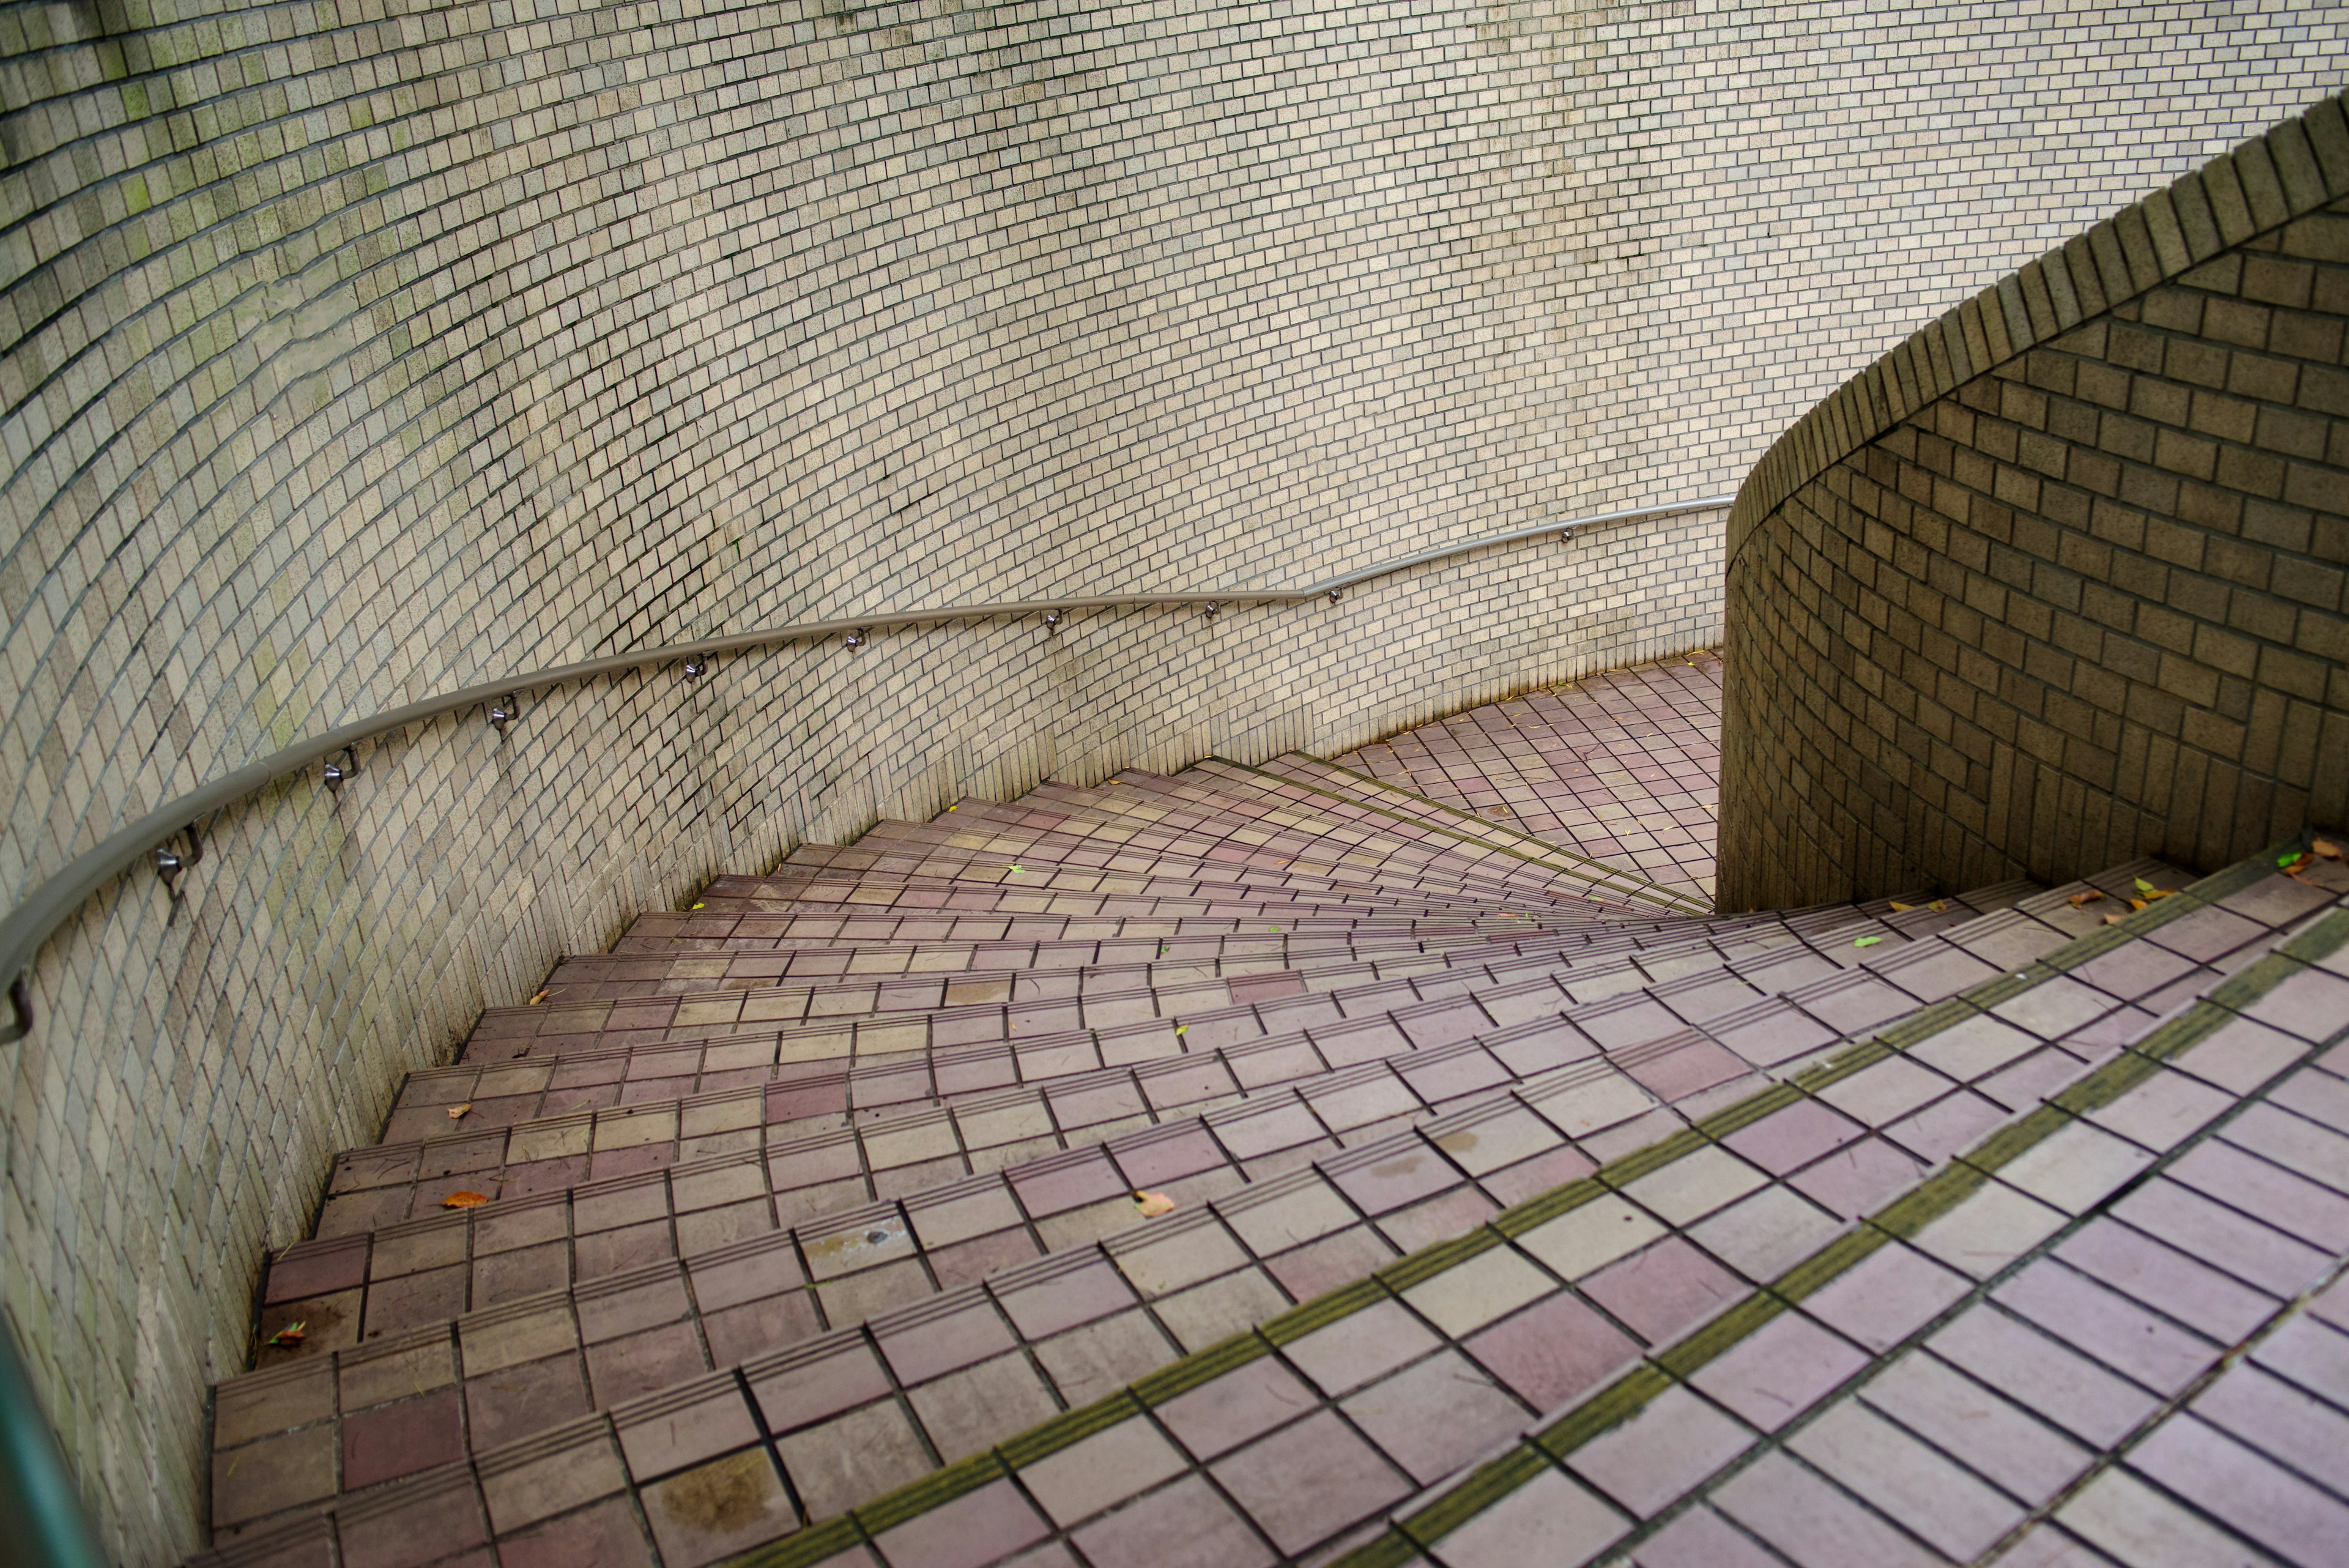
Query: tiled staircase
(1270, 1163)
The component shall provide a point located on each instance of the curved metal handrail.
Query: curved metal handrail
(33, 922)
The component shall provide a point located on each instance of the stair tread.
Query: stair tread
(1185, 1280)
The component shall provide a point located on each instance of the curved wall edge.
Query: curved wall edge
(2294, 169)
(2063, 579)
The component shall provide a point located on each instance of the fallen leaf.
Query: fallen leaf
(2090, 896)
(2137, 904)
(1900, 909)
(539, 996)
(457, 1112)
(1938, 905)
(1015, 868)
(1153, 1204)
(1866, 941)
(2112, 919)
(695, 907)
(463, 1200)
(2288, 859)
(1182, 1029)
(2143, 886)
(2326, 849)
(291, 1333)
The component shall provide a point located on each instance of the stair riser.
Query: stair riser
(1369, 1193)
(924, 1057)
(706, 1014)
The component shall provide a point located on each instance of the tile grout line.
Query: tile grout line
(816, 1540)
(1961, 1178)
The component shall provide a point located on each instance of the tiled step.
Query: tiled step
(1305, 780)
(1054, 1001)
(1377, 809)
(828, 949)
(885, 1059)
(772, 933)
(1022, 872)
(2116, 1325)
(583, 977)
(1546, 1091)
(720, 918)
(1433, 853)
(1621, 766)
(1243, 830)
(1198, 983)
(871, 890)
(1119, 839)
(1315, 1083)
(970, 1374)
(1118, 1066)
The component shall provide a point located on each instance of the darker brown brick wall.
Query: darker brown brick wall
(2089, 604)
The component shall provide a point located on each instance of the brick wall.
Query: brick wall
(2065, 579)
(356, 351)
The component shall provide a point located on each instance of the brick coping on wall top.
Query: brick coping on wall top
(2291, 170)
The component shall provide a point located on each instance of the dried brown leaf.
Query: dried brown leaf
(290, 1334)
(2326, 849)
(2091, 896)
(1153, 1204)
(463, 1200)
(457, 1112)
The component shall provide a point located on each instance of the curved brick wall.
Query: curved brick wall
(2061, 580)
(356, 352)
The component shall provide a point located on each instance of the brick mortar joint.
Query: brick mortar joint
(1858, 412)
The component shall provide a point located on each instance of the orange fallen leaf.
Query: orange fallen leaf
(463, 1200)
(457, 1112)
(538, 997)
(1900, 909)
(2326, 849)
(290, 1334)
(1153, 1204)
(2137, 904)
(2090, 896)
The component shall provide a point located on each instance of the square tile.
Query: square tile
(1435, 1415)
(1651, 1460)
(1308, 1482)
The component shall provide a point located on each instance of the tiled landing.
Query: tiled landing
(1621, 766)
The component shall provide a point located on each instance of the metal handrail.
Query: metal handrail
(40, 1509)
(31, 923)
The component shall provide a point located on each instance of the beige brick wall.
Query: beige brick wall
(354, 352)
(2065, 579)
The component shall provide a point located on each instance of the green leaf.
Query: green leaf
(1866, 941)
